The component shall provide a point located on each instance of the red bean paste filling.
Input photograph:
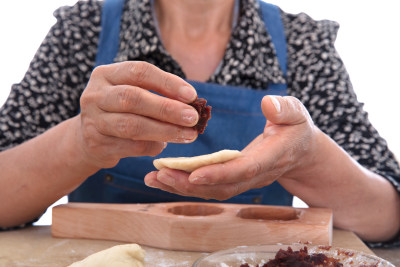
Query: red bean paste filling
(200, 104)
(299, 258)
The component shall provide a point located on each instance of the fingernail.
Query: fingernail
(165, 144)
(189, 116)
(165, 179)
(188, 135)
(276, 103)
(187, 93)
(150, 184)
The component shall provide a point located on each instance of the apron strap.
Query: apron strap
(110, 27)
(273, 22)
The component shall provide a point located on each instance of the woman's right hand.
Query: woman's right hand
(121, 116)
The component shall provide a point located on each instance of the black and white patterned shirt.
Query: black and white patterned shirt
(50, 91)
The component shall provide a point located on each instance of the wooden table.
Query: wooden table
(35, 246)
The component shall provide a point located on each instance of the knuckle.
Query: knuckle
(135, 128)
(88, 97)
(84, 100)
(168, 83)
(165, 109)
(128, 97)
(93, 94)
(129, 128)
(139, 71)
(98, 71)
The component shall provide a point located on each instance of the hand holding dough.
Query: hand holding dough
(189, 164)
(129, 255)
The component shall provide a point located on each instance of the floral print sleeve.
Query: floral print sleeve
(317, 76)
(49, 93)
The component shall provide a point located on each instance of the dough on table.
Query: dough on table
(189, 164)
(129, 255)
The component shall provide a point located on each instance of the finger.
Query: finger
(129, 148)
(109, 150)
(147, 76)
(234, 171)
(151, 181)
(260, 159)
(132, 99)
(178, 180)
(284, 110)
(135, 127)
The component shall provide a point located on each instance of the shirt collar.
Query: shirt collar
(249, 52)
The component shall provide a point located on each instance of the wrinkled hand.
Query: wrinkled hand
(284, 149)
(122, 117)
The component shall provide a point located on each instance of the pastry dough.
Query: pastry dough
(189, 164)
(129, 255)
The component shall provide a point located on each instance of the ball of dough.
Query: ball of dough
(129, 255)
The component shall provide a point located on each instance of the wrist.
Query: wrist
(73, 148)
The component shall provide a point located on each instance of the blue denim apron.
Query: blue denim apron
(236, 120)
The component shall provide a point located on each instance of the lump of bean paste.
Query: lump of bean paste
(200, 104)
(299, 258)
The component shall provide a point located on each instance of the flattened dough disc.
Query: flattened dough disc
(189, 164)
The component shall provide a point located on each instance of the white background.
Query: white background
(368, 42)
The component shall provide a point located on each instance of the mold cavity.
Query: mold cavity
(268, 213)
(195, 210)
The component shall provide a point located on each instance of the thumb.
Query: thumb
(285, 110)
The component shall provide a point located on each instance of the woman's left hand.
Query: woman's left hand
(284, 149)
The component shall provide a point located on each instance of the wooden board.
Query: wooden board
(193, 226)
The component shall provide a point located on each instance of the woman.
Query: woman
(331, 157)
